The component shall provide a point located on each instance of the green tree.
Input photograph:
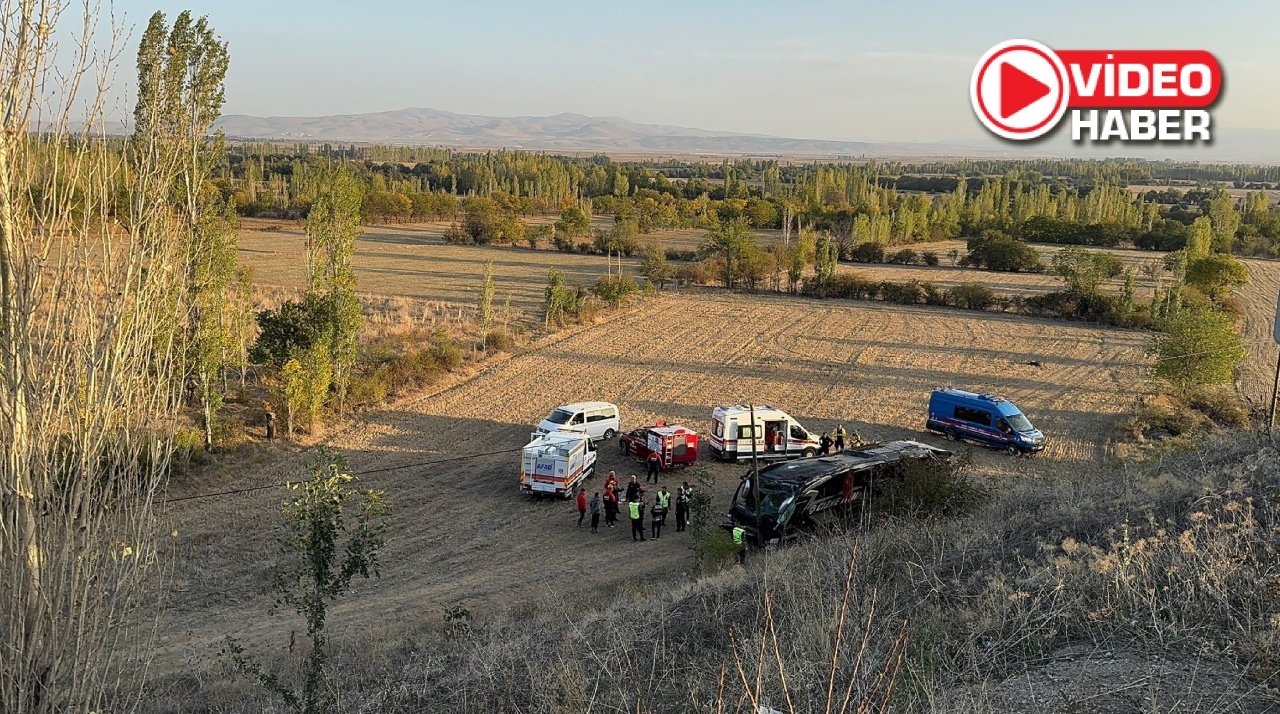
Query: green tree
(1084, 270)
(181, 75)
(1200, 239)
(994, 250)
(654, 266)
(729, 240)
(1216, 274)
(333, 533)
(1225, 220)
(573, 222)
(484, 308)
(1197, 347)
(333, 226)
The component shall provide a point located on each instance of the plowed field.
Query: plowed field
(461, 532)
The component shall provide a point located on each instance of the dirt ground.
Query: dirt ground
(463, 535)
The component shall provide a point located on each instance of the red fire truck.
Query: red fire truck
(675, 445)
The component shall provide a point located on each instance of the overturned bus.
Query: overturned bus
(792, 494)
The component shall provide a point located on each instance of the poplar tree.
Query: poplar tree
(181, 75)
(333, 225)
(484, 310)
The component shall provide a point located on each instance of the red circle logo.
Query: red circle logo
(1019, 89)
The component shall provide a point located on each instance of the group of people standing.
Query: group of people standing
(835, 439)
(613, 499)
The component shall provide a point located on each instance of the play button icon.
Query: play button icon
(1019, 89)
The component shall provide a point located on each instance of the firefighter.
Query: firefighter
(655, 466)
(840, 435)
(739, 542)
(611, 483)
(595, 513)
(610, 507)
(682, 507)
(633, 489)
(637, 520)
(582, 506)
(824, 444)
(661, 502)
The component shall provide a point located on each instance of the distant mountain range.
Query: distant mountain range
(580, 133)
(561, 132)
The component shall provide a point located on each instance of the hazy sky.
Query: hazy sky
(825, 70)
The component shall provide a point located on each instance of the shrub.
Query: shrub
(454, 235)
(676, 254)
(693, 273)
(867, 253)
(971, 296)
(994, 250)
(847, 285)
(912, 292)
(444, 352)
(615, 289)
(929, 257)
(499, 341)
(906, 256)
(929, 488)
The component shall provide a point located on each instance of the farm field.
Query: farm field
(462, 535)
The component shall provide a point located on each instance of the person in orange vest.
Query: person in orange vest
(582, 506)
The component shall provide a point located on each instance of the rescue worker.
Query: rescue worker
(610, 508)
(595, 513)
(637, 520)
(840, 435)
(682, 507)
(824, 444)
(739, 542)
(271, 426)
(633, 489)
(655, 466)
(611, 483)
(582, 506)
(661, 502)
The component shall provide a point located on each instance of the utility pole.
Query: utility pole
(1271, 420)
(755, 478)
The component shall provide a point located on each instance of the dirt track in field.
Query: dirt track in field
(461, 532)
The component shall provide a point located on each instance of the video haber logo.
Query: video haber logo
(1021, 89)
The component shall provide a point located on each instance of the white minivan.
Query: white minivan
(598, 419)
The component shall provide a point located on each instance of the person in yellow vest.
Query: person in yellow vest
(840, 434)
(739, 542)
(661, 502)
(637, 519)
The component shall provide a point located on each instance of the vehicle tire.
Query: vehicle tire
(1012, 450)
(951, 435)
(808, 453)
(608, 435)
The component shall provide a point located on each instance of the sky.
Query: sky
(877, 71)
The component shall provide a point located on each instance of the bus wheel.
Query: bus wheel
(951, 435)
(1011, 450)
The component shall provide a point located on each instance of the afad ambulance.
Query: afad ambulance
(777, 434)
(553, 464)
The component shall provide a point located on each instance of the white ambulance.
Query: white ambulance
(554, 463)
(777, 434)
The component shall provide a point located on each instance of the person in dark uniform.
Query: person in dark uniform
(824, 444)
(271, 426)
(610, 508)
(682, 507)
(661, 502)
(595, 513)
(655, 466)
(633, 489)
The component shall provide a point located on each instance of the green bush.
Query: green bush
(994, 250)
(971, 296)
(867, 253)
(906, 256)
(929, 257)
(499, 341)
(929, 488)
(444, 352)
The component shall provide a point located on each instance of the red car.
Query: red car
(676, 446)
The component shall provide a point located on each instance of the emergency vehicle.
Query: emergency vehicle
(675, 445)
(984, 418)
(554, 463)
(777, 434)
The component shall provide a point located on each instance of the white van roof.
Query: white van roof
(583, 406)
(565, 439)
(762, 410)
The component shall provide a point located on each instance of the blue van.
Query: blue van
(984, 418)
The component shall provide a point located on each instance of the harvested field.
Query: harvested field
(1259, 298)
(462, 534)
